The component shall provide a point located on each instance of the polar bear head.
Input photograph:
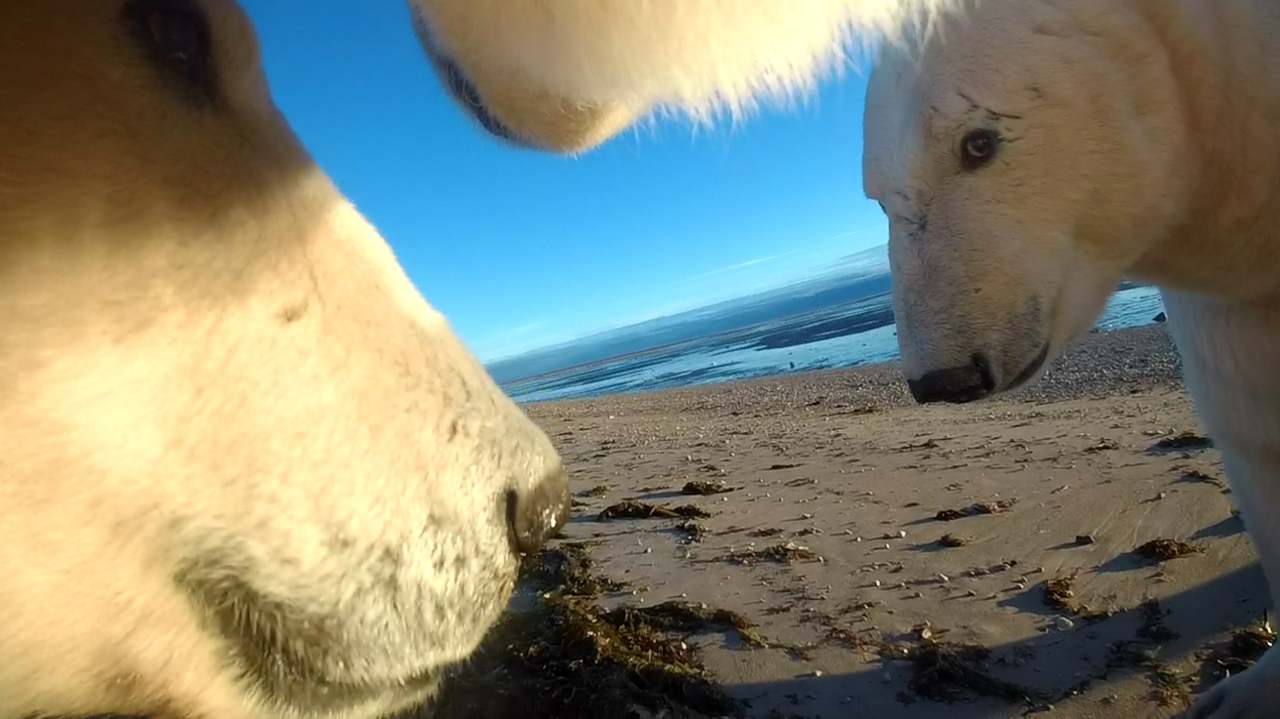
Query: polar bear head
(1027, 154)
(245, 469)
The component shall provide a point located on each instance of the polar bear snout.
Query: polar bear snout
(959, 352)
(965, 383)
(538, 514)
(972, 381)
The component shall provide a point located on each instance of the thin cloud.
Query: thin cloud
(523, 329)
(739, 266)
(761, 260)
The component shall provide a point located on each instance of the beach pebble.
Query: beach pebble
(1063, 624)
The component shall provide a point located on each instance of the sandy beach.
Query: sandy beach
(1005, 558)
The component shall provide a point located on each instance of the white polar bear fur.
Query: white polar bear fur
(1138, 138)
(566, 75)
(220, 397)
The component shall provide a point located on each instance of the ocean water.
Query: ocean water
(741, 355)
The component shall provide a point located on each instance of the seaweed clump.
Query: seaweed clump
(974, 510)
(788, 553)
(1246, 647)
(1163, 550)
(692, 531)
(1060, 594)
(570, 569)
(702, 487)
(634, 509)
(568, 658)
(1188, 440)
(947, 672)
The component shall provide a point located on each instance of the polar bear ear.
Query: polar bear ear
(567, 75)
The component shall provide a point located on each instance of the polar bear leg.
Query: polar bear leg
(1254, 475)
(1229, 354)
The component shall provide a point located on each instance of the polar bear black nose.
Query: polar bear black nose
(538, 514)
(955, 384)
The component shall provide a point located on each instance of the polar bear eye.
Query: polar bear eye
(177, 38)
(978, 148)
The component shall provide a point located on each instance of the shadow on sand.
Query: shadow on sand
(904, 678)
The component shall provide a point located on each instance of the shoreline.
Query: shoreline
(1101, 363)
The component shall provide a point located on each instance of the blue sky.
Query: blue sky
(521, 249)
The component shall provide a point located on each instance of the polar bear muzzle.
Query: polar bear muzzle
(971, 382)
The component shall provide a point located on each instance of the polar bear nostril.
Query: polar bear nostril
(539, 513)
(965, 383)
(983, 365)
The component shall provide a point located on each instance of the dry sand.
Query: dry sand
(841, 463)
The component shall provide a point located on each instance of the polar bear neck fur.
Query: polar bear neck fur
(1222, 57)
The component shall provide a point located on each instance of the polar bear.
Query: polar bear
(246, 471)
(1031, 153)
